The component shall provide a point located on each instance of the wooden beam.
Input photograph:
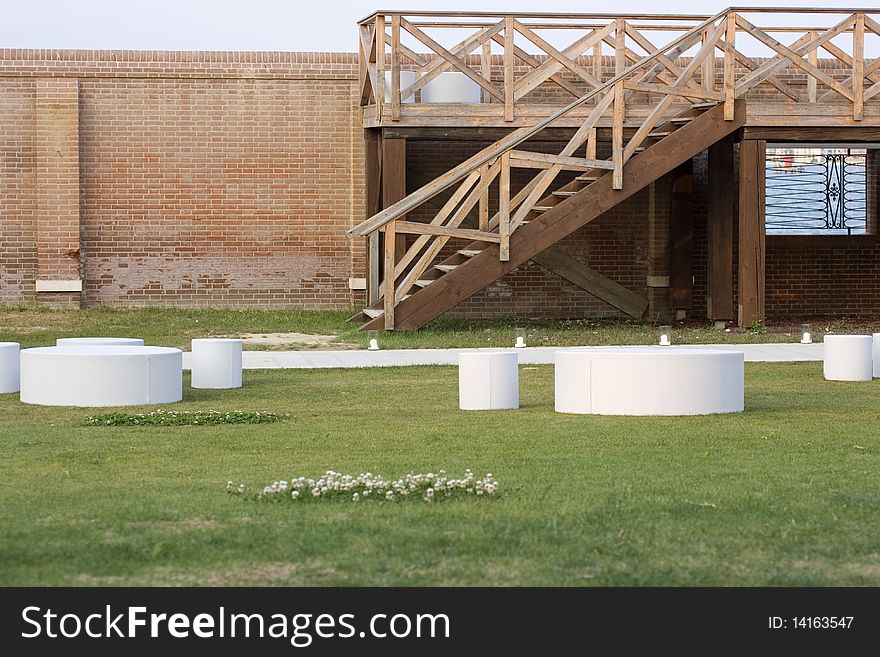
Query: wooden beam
(683, 92)
(719, 301)
(858, 74)
(415, 228)
(812, 83)
(560, 263)
(390, 259)
(528, 159)
(394, 180)
(486, 68)
(827, 134)
(508, 68)
(395, 67)
(373, 196)
(504, 207)
(681, 237)
(379, 87)
(751, 232)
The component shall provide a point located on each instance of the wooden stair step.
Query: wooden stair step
(468, 253)
(424, 282)
(587, 178)
(681, 119)
(660, 134)
(445, 268)
(373, 313)
(704, 105)
(542, 208)
(564, 194)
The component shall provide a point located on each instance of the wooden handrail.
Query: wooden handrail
(456, 174)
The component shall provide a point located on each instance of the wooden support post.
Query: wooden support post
(719, 302)
(597, 62)
(657, 282)
(619, 94)
(379, 92)
(504, 207)
(708, 66)
(373, 196)
(872, 182)
(859, 68)
(486, 68)
(681, 233)
(508, 68)
(812, 83)
(730, 66)
(484, 201)
(591, 145)
(390, 260)
(395, 67)
(394, 180)
(751, 231)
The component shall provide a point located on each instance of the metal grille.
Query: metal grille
(816, 191)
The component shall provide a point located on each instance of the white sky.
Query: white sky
(302, 25)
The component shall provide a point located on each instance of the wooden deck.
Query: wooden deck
(654, 87)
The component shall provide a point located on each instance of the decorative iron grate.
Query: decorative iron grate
(816, 191)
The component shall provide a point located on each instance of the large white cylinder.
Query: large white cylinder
(848, 358)
(10, 377)
(216, 363)
(452, 87)
(101, 375)
(488, 380)
(407, 79)
(875, 354)
(649, 381)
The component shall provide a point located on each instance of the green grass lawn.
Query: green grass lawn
(786, 493)
(175, 327)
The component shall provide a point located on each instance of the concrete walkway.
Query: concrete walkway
(261, 360)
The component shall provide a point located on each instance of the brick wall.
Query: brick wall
(196, 178)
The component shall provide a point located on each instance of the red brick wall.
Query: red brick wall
(204, 178)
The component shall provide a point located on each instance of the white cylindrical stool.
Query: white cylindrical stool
(10, 378)
(488, 380)
(848, 358)
(875, 354)
(100, 342)
(216, 363)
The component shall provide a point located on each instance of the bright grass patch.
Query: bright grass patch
(428, 486)
(163, 418)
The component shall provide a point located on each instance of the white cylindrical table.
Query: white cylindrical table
(216, 363)
(452, 87)
(875, 354)
(9, 369)
(648, 381)
(101, 375)
(96, 342)
(488, 380)
(848, 358)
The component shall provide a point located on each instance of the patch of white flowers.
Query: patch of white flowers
(429, 487)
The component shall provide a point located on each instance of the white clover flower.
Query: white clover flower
(355, 497)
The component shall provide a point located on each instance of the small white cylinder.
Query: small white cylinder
(848, 358)
(105, 342)
(10, 377)
(488, 380)
(216, 363)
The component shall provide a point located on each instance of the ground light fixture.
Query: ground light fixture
(374, 340)
(665, 336)
(806, 334)
(520, 334)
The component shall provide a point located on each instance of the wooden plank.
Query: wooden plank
(373, 196)
(681, 237)
(415, 228)
(379, 86)
(504, 207)
(589, 280)
(617, 136)
(858, 82)
(394, 180)
(597, 61)
(812, 83)
(486, 68)
(390, 259)
(529, 159)
(729, 65)
(683, 92)
(707, 72)
(720, 200)
(813, 134)
(395, 67)
(592, 146)
(483, 211)
(565, 218)
(751, 232)
(508, 69)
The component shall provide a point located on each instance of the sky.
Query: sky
(293, 25)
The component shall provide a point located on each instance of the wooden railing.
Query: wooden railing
(666, 80)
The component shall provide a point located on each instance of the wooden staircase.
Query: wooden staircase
(556, 215)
